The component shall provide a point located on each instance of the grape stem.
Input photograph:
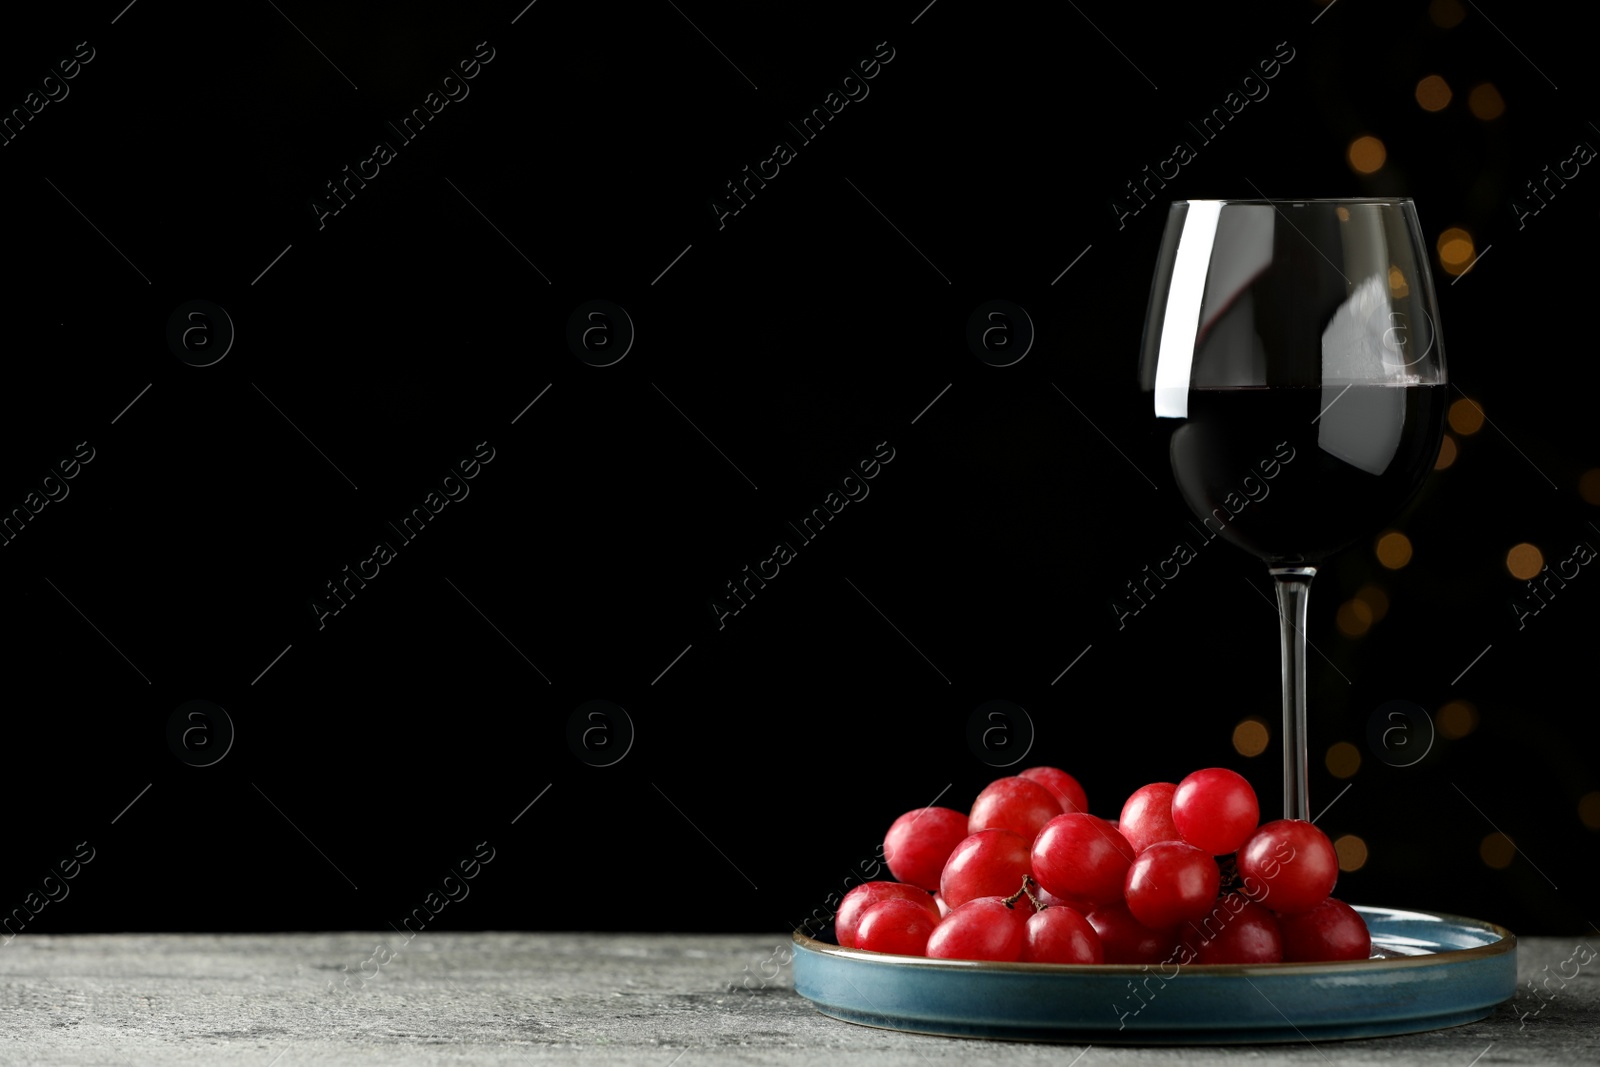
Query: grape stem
(1027, 880)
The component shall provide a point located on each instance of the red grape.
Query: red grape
(1061, 935)
(1079, 855)
(985, 928)
(1288, 865)
(1332, 930)
(1147, 816)
(1237, 931)
(863, 896)
(896, 925)
(1020, 805)
(920, 841)
(1215, 809)
(1171, 883)
(988, 863)
(1127, 940)
(1069, 794)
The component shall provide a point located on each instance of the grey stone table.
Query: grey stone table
(648, 1000)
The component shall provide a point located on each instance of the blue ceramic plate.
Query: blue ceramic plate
(1428, 971)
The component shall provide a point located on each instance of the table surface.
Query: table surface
(655, 1000)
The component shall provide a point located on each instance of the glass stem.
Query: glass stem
(1294, 586)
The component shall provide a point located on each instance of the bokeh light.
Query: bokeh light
(1455, 250)
(1497, 851)
(1353, 618)
(1398, 286)
(1486, 103)
(1352, 852)
(1456, 719)
(1446, 14)
(1447, 453)
(1466, 417)
(1375, 598)
(1433, 93)
(1367, 154)
(1524, 561)
(1589, 810)
(1394, 550)
(1343, 759)
(1250, 737)
(1589, 486)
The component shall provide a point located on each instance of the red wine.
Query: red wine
(1294, 474)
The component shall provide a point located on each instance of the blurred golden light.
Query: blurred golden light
(1367, 154)
(1376, 599)
(1524, 561)
(1466, 417)
(1455, 250)
(1497, 850)
(1447, 453)
(1433, 93)
(1354, 618)
(1397, 283)
(1589, 486)
(1343, 759)
(1446, 14)
(1456, 719)
(1352, 852)
(1250, 737)
(1485, 102)
(1394, 550)
(1589, 810)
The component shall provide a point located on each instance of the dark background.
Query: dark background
(772, 353)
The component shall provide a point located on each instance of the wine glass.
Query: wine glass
(1293, 347)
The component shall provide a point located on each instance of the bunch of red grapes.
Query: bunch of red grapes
(1185, 875)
